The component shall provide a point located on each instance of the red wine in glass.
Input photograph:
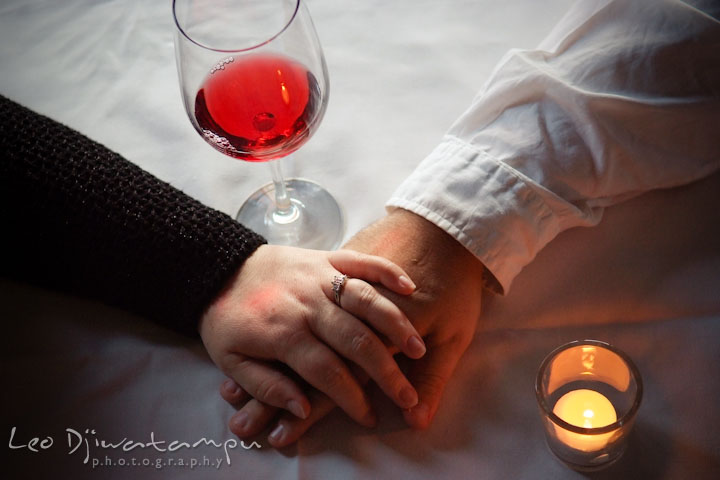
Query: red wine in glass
(257, 107)
(255, 85)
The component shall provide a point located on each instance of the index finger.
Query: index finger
(372, 268)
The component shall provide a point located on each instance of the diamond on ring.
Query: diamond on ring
(337, 285)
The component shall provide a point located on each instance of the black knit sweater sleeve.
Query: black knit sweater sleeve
(80, 218)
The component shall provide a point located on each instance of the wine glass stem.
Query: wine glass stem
(285, 212)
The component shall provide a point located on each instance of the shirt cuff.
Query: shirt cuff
(500, 215)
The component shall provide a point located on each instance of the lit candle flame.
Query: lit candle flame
(588, 409)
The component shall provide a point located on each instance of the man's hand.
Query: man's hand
(444, 309)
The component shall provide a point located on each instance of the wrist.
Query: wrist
(444, 246)
(417, 244)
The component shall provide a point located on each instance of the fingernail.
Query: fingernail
(296, 409)
(408, 397)
(416, 347)
(420, 416)
(240, 422)
(405, 282)
(277, 434)
(231, 387)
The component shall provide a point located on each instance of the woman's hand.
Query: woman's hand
(280, 307)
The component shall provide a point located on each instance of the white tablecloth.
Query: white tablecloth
(647, 279)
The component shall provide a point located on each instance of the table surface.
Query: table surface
(647, 279)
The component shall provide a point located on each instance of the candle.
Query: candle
(568, 389)
(587, 409)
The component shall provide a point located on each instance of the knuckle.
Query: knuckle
(269, 390)
(362, 344)
(386, 264)
(290, 343)
(390, 375)
(229, 360)
(355, 256)
(396, 319)
(367, 297)
(429, 382)
(333, 376)
(240, 363)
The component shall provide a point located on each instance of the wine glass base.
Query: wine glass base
(317, 220)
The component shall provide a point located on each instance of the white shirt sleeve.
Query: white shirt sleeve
(622, 97)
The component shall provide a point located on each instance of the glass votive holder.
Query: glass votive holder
(589, 393)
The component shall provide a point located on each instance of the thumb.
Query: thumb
(429, 375)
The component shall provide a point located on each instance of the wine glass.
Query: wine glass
(255, 86)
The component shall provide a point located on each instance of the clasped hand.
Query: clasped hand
(444, 308)
(277, 320)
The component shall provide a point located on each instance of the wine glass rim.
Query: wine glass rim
(236, 50)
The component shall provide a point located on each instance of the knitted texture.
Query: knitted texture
(80, 218)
